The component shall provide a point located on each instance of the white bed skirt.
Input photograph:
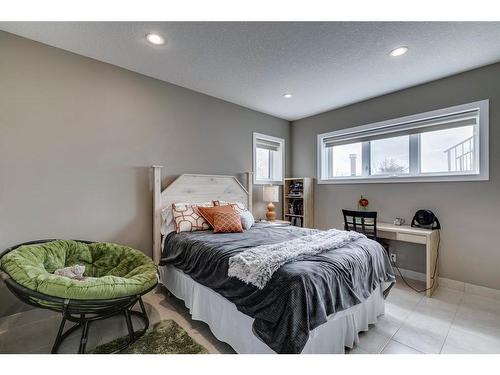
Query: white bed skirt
(235, 328)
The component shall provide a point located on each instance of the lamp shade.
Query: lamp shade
(271, 194)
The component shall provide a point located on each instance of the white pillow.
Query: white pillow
(238, 206)
(167, 221)
(247, 219)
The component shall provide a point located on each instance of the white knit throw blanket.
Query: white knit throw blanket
(257, 265)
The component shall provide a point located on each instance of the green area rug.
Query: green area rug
(165, 337)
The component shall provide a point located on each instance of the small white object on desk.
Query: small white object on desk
(427, 237)
(399, 221)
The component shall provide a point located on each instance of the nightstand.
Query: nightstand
(278, 223)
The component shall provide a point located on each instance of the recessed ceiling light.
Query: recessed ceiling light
(155, 39)
(287, 96)
(399, 51)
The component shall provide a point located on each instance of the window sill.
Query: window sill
(402, 179)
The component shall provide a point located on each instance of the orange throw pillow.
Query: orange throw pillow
(227, 222)
(209, 212)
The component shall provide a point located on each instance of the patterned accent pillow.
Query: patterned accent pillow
(227, 222)
(168, 222)
(247, 219)
(187, 218)
(209, 212)
(238, 206)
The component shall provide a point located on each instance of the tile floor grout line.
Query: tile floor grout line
(452, 321)
(422, 297)
(402, 343)
(404, 321)
(416, 306)
(385, 345)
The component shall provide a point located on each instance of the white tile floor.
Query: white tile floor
(450, 322)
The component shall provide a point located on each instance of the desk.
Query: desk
(427, 237)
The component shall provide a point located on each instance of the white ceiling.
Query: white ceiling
(324, 65)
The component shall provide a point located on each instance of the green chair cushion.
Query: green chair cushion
(114, 270)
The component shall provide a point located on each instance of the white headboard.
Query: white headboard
(195, 188)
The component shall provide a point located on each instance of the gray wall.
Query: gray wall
(77, 137)
(469, 212)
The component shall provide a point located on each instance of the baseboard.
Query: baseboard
(414, 275)
(452, 284)
(461, 286)
(469, 288)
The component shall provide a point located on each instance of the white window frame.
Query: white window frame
(482, 142)
(277, 177)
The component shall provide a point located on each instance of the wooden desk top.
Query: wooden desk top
(389, 227)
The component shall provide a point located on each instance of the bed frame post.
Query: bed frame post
(250, 190)
(156, 212)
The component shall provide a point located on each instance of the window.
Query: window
(389, 156)
(268, 159)
(450, 144)
(448, 150)
(345, 160)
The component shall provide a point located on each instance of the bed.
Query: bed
(315, 304)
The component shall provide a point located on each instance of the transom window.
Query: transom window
(268, 159)
(450, 144)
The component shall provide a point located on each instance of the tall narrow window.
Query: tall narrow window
(450, 144)
(268, 159)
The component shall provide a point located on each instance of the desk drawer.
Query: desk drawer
(386, 235)
(411, 238)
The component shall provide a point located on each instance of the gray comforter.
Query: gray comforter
(300, 295)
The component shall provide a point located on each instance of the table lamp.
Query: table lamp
(271, 194)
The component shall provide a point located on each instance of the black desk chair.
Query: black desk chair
(361, 221)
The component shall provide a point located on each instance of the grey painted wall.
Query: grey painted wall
(77, 137)
(469, 212)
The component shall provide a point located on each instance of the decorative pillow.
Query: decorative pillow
(168, 223)
(209, 212)
(238, 206)
(187, 218)
(227, 222)
(247, 219)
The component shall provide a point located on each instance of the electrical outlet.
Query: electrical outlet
(393, 258)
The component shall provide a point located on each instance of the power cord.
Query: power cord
(433, 275)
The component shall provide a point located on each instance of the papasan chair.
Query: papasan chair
(114, 281)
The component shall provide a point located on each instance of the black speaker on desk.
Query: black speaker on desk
(425, 219)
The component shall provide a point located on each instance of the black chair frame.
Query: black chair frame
(363, 226)
(82, 312)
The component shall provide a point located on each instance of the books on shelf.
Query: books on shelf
(295, 207)
(296, 221)
(298, 201)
